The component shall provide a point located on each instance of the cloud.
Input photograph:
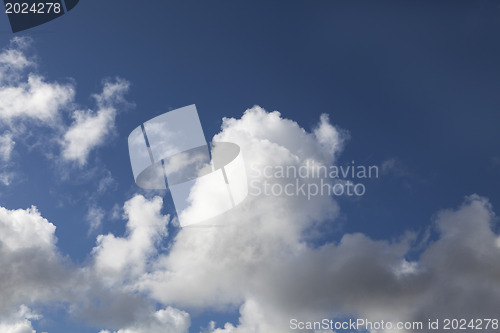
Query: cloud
(210, 267)
(117, 259)
(20, 322)
(264, 259)
(26, 99)
(95, 216)
(6, 177)
(26, 95)
(13, 60)
(26, 229)
(29, 101)
(35, 99)
(32, 269)
(6, 146)
(167, 320)
(34, 273)
(90, 129)
(106, 297)
(332, 139)
(455, 277)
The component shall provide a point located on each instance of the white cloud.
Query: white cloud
(87, 132)
(106, 297)
(95, 216)
(34, 272)
(118, 259)
(455, 277)
(90, 128)
(210, 267)
(13, 60)
(20, 322)
(32, 269)
(261, 260)
(331, 138)
(25, 94)
(167, 320)
(26, 98)
(22, 229)
(35, 99)
(6, 146)
(29, 100)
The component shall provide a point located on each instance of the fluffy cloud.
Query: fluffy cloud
(211, 267)
(20, 322)
(32, 269)
(25, 94)
(13, 60)
(23, 229)
(28, 100)
(119, 258)
(25, 98)
(167, 320)
(456, 277)
(107, 297)
(263, 259)
(35, 273)
(34, 99)
(90, 128)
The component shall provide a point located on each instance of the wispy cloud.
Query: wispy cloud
(90, 128)
(30, 102)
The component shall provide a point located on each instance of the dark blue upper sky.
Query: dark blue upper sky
(417, 82)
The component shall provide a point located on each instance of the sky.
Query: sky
(409, 87)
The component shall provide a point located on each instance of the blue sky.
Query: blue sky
(414, 84)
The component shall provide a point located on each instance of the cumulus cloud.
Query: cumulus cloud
(26, 94)
(107, 297)
(35, 99)
(120, 257)
(456, 276)
(218, 261)
(20, 322)
(90, 128)
(35, 273)
(26, 229)
(262, 260)
(167, 320)
(32, 269)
